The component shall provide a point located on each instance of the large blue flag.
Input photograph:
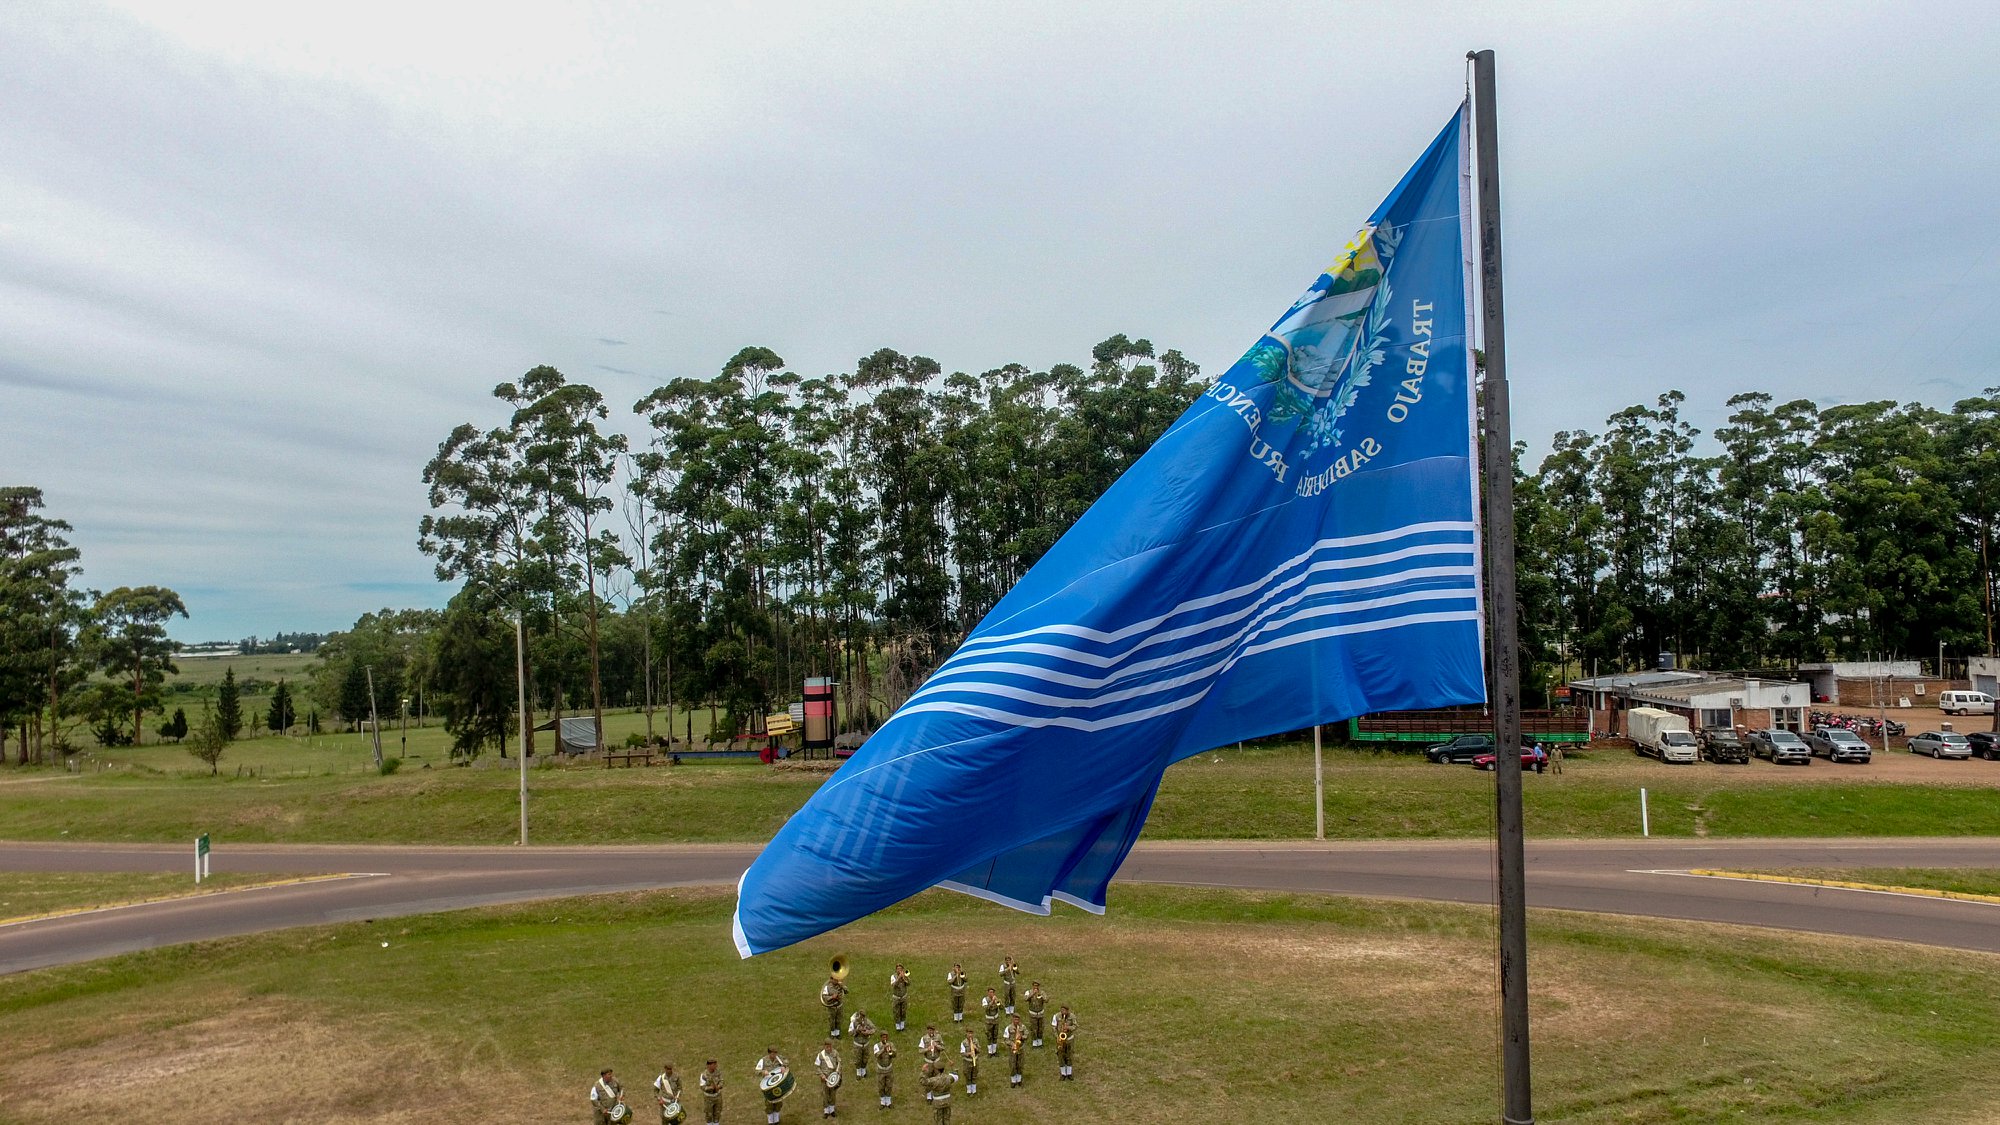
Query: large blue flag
(1301, 546)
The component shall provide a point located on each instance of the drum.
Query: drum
(671, 1113)
(777, 1085)
(833, 1080)
(621, 1113)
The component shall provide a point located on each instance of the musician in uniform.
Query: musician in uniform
(956, 979)
(937, 1091)
(991, 1006)
(710, 1081)
(774, 1096)
(667, 1088)
(932, 1044)
(861, 1031)
(1008, 972)
(605, 1095)
(885, 1077)
(969, 1051)
(1038, 1003)
(899, 995)
(1017, 1038)
(1065, 1042)
(832, 994)
(827, 1062)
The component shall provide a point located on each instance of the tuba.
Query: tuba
(838, 967)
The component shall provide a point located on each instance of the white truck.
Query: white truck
(1662, 734)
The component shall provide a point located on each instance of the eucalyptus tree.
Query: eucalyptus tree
(908, 472)
(42, 610)
(1973, 446)
(568, 466)
(127, 635)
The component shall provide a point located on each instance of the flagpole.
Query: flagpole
(1503, 612)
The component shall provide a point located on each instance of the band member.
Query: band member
(605, 1095)
(1008, 972)
(710, 1081)
(1065, 1042)
(774, 1097)
(667, 1088)
(1017, 1038)
(1038, 1003)
(861, 1031)
(968, 1052)
(937, 1090)
(885, 1077)
(931, 1046)
(956, 979)
(832, 994)
(991, 1006)
(899, 995)
(827, 1062)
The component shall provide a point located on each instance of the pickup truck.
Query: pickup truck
(1723, 744)
(1780, 746)
(1838, 744)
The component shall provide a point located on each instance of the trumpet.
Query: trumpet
(838, 967)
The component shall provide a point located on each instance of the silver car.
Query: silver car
(1838, 744)
(1780, 746)
(1949, 744)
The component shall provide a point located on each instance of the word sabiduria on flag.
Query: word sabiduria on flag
(1301, 546)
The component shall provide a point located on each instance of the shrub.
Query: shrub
(391, 765)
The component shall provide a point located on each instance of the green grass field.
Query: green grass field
(1194, 1005)
(325, 790)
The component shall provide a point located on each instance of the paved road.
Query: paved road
(1640, 877)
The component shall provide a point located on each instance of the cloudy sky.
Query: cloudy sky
(257, 259)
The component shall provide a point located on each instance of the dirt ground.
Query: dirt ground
(1897, 765)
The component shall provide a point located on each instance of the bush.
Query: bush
(635, 741)
(391, 765)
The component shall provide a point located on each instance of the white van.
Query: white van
(1965, 703)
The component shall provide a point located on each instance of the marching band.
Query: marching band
(872, 1046)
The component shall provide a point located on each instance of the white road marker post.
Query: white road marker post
(1645, 823)
(200, 858)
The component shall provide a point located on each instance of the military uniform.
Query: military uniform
(1038, 1004)
(899, 996)
(956, 979)
(968, 1052)
(668, 1088)
(862, 1029)
(605, 1093)
(1065, 1043)
(710, 1081)
(1017, 1038)
(991, 1006)
(885, 1077)
(832, 994)
(937, 1088)
(931, 1046)
(1008, 973)
(774, 1108)
(827, 1062)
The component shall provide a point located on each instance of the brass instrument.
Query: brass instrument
(838, 968)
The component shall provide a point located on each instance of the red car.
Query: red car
(1532, 758)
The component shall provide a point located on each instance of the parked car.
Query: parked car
(1532, 758)
(1780, 746)
(1462, 748)
(1984, 743)
(1723, 744)
(1949, 744)
(1838, 744)
(1965, 703)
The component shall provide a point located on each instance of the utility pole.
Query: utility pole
(374, 721)
(521, 695)
(1319, 790)
(1503, 615)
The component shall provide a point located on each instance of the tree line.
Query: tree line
(729, 536)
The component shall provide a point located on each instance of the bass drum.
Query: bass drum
(671, 1113)
(777, 1085)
